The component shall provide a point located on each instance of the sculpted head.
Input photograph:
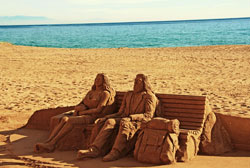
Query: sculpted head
(101, 80)
(141, 83)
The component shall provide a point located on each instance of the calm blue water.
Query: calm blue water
(132, 35)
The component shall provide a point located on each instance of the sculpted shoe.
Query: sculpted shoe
(37, 148)
(113, 155)
(92, 152)
(43, 147)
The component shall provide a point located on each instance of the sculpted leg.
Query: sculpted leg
(124, 142)
(100, 145)
(65, 126)
(105, 133)
(56, 130)
(95, 131)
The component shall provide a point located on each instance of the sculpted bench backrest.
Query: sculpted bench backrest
(191, 111)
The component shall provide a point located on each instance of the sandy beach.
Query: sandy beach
(35, 78)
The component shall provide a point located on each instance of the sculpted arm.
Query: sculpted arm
(100, 107)
(82, 102)
(150, 106)
(81, 106)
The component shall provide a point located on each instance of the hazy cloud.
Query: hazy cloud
(83, 11)
(13, 20)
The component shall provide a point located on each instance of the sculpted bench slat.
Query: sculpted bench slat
(191, 111)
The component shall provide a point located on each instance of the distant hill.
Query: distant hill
(20, 20)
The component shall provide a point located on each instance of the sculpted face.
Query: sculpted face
(138, 84)
(98, 80)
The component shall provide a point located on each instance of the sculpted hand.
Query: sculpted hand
(75, 113)
(125, 122)
(125, 119)
(79, 108)
(100, 120)
(76, 108)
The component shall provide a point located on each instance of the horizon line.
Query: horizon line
(123, 22)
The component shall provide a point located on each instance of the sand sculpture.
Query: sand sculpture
(169, 140)
(215, 139)
(94, 105)
(137, 106)
(164, 139)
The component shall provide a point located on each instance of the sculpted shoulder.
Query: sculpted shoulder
(150, 96)
(106, 93)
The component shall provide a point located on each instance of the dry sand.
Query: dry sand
(34, 78)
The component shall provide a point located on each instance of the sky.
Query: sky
(101, 11)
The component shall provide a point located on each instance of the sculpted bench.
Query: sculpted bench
(191, 111)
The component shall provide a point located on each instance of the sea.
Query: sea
(231, 31)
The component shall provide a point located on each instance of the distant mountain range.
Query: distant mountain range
(17, 20)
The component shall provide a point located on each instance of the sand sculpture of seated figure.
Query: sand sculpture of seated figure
(91, 107)
(137, 106)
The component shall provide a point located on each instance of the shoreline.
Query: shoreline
(36, 78)
(8, 43)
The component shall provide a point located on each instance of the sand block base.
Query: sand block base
(238, 129)
(20, 153)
